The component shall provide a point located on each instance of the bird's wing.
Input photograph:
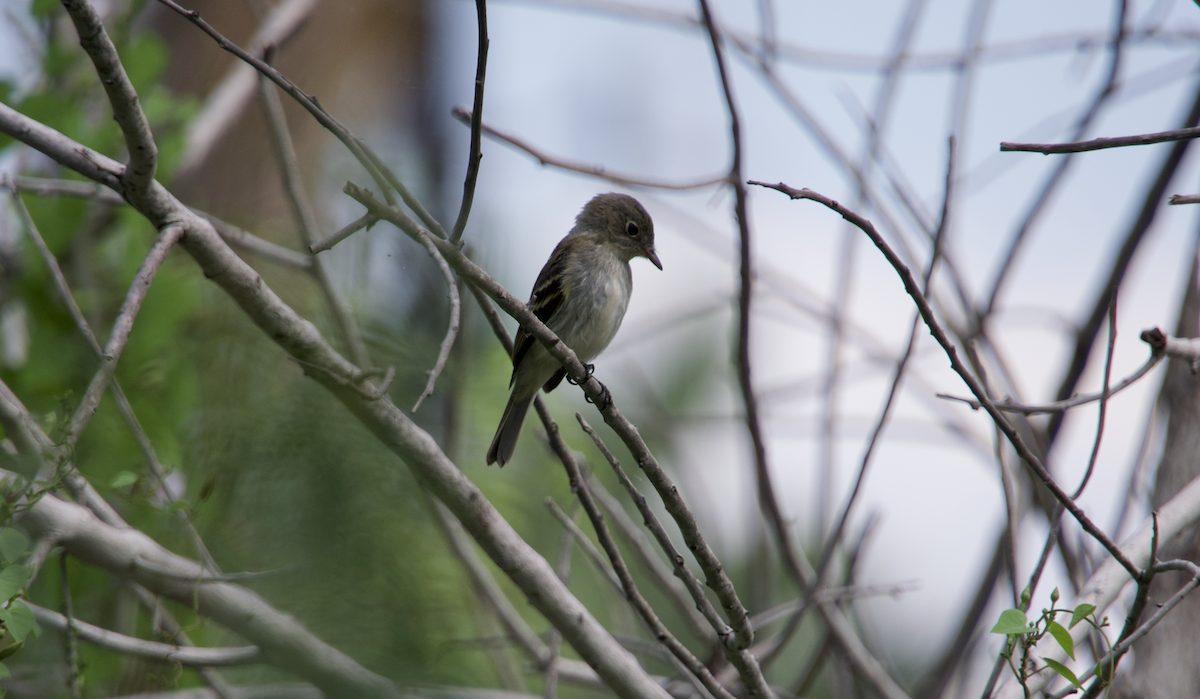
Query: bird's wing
(548, 294)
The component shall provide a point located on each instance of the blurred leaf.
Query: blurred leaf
(1064, 671)
(144, 59)
(43, 8)
(123, 479)
(12, 579)
(12, 544)
(4, 673)
(1080, 612)
(9, 645)
(1063, 637)
(1012, 622)
(20, 621)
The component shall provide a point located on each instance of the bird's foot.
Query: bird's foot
(588, 370)
(605, 398)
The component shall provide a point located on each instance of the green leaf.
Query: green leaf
(1012, 622)
(144, 59)
(12, 544)
(12, 579)
(1080, 612)
(21, 621)
(1064, 671)
(123, 479)
(42, 8)
(1063, 637)
(4, 673)
(179, 505)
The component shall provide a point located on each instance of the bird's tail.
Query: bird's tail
(505, 441)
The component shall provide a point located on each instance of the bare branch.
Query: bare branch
(476, 153)
(455, 318)
(251, 243)
(365, 221)
(623, 579)
(1056, 176)
(122, 326)
(1086, 335)
(716, 578)
(1184, 199)
(1100, 143)
(911, 286)
(208, 576)
(599, 171)
(585, 544)
(306, 220)
(232, 234)
(1009, 406)
(691, 598)
(301, 339)
(72, 632)
(143, 153)
(128, 645)
(123, 406)
(1183, 348)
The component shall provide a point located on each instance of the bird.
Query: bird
(581, 294)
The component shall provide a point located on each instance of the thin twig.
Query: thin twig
(687, 605)
(755, 683)
(364, 221)
(306, 220)
(1100, 143)
(715, 576)
(572, 530)
(834, 536)
(1184, 199)
(410, 200)
(766, 491)
(650, 520)
(1009, 406)
(455, 318)
(70, 631)
(128, 645)
(599, 171)
(1056, 176)
(476, 154)
(563, 569)
(122, 326)
(230, 233)
(1108, 358)
(123, 406)
(913, 289)
(1086, 334)
(207, 577)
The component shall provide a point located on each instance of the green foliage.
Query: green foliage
(13, 544)
(1024, 636)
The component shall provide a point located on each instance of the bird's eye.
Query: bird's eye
(632, 229)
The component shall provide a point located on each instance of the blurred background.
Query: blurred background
(855, 100)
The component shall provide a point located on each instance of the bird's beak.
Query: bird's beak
(653, 257)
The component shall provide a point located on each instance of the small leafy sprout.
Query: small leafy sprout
(1014, 624)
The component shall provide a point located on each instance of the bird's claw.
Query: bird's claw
(588, 370)
(605, 398)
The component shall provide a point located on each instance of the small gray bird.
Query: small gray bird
(581, 294)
